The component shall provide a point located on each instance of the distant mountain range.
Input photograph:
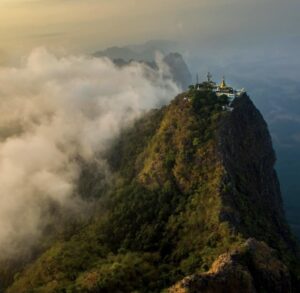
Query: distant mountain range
(139, 52)
(146, 53)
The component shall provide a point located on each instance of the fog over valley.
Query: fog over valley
(56, 112)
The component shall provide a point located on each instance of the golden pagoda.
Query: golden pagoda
(223, 84)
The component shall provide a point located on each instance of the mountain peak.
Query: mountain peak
(193, 181)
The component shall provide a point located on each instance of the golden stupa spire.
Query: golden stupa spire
(223, 83)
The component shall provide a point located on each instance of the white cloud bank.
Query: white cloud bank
(52, 111)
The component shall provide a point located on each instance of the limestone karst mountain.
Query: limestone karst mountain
(195, 207)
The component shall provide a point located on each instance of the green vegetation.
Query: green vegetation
(161, 220)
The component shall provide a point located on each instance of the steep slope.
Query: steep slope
(192, 182)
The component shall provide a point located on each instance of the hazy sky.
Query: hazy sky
(87, 25)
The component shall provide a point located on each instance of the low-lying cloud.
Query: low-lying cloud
(54, 110)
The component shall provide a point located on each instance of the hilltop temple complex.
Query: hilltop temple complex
(220, 90)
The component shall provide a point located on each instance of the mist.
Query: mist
(54, 111)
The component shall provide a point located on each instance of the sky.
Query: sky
(88, 25)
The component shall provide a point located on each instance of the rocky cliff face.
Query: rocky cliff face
(251, 193)
(195, 198)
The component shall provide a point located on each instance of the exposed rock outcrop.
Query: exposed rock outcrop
(254, 267)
